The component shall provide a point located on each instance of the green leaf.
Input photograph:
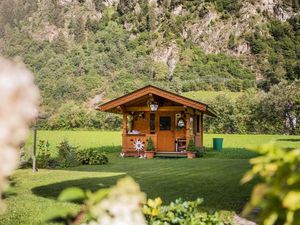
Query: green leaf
(271, 219)
(258, 193)
(98, 195)
(58, 214)
(247, 177)
(292, 200)
(72, 194)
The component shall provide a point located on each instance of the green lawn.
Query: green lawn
(86, 139)
(215, 177)
(206, 96)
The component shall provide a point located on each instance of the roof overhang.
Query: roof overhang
(152, 90)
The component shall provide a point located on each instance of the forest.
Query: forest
(83, 53)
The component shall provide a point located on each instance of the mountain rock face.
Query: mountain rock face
(203, 24)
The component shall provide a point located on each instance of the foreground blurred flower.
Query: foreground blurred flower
(18, 100)
(118, 205)
(123, 205)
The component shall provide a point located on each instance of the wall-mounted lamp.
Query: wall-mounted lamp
(153, 106)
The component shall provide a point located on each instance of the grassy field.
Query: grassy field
(216, 177)
(87, 139)
(206, 96)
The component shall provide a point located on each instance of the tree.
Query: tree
(60, 44)
(77, 28)
(280, 108)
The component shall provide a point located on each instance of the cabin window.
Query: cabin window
(152, 123)
(165, 123)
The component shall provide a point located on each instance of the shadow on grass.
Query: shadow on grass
(288, 139)
(53, 190)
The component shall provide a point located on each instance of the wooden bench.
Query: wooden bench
(132, 154)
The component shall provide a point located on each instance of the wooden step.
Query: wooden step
(171, 154)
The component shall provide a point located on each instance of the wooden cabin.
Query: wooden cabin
(171, 120)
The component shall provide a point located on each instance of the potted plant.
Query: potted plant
(191, 149)
(150, 149)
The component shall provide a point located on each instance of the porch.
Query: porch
(156, 154)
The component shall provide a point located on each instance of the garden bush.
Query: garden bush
(91, 156)
(199, 152)
(67, 154)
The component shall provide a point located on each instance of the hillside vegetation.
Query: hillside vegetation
(84, 52)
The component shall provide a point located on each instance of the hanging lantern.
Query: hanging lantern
(153, 106)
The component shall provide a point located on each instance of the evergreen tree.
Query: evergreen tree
(191, 146)
(150, 146)
(60, 44)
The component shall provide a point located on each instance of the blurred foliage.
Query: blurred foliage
(277, 197)
(105, 206)
(111, 205)
(181, 212)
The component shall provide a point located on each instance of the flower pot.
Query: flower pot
(191, 155)
(149, 154)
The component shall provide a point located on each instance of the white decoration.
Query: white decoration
(138, 145)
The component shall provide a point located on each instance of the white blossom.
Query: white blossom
(123, 206)
(18, 101)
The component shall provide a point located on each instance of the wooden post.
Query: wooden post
(194, 125)
(187, 132)
(124, 123)
(124, 133)
(34, 169)
(201, 130)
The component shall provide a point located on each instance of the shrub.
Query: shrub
(67, 154)
(43, 157)
(150, 146)
(181, 212)
(199, 152)
(91, 157)
(278, 195)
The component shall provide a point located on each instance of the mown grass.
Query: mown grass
(207, 96)
(215, 177)
(88, 139)
(212, 178)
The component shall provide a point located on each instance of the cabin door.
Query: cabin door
(165, 134)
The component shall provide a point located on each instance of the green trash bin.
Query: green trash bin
(217, 144)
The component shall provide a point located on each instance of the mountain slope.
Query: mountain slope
(83, 52)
